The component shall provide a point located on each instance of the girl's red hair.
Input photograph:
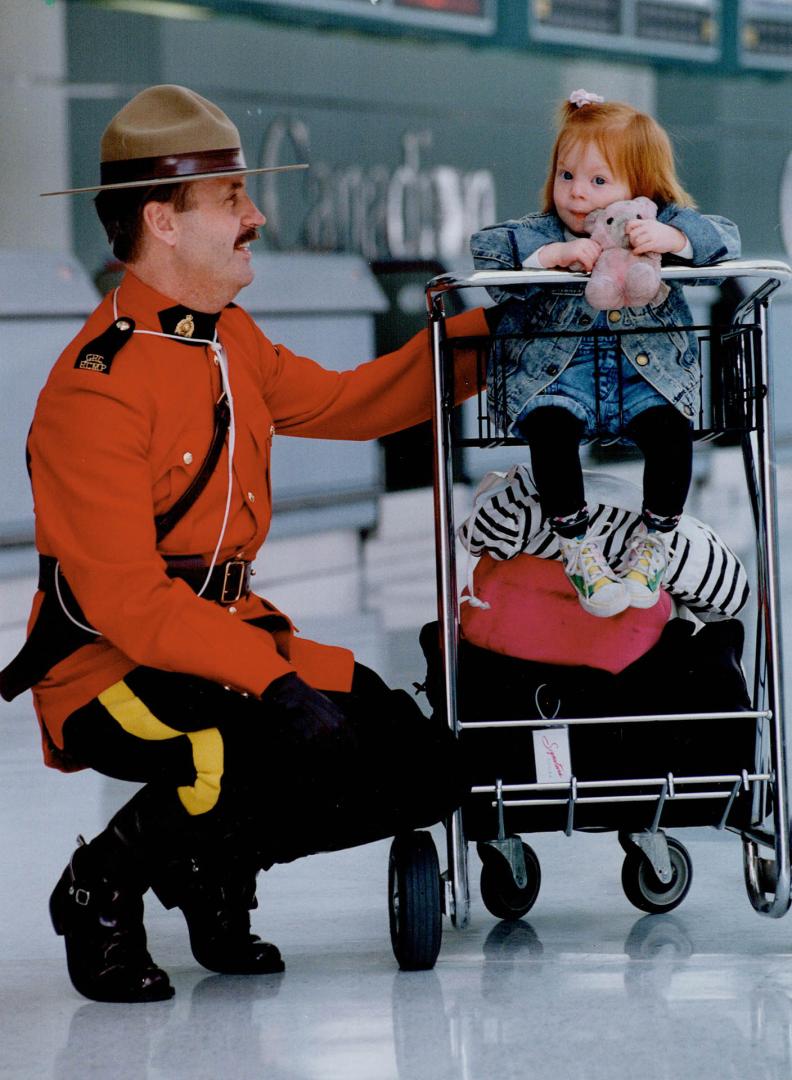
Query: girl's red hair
(634, 145)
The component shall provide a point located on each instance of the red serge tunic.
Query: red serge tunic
(110, 450)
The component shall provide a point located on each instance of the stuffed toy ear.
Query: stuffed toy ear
(645, 207)
(592, 219)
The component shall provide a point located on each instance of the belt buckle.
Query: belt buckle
(234, 581)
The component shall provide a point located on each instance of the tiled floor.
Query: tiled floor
(585, 987)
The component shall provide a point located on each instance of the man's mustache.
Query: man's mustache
(247, 236)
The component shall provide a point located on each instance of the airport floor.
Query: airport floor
(584, 987)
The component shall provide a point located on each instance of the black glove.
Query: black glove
(304, 715)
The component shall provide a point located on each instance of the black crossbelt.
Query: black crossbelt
(169, 519)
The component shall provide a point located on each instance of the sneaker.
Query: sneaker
(598, 589)
(644, 566)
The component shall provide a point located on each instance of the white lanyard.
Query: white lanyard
(222, 362)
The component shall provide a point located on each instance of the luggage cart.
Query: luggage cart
(749, 797)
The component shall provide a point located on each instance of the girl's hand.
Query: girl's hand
(584, 252)
(652, 237)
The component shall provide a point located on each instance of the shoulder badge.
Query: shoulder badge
(99, 354)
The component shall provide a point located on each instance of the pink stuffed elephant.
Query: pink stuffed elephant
(619, 278)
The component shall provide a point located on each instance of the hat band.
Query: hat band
(177, 166)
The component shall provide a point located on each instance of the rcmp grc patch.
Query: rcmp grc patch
(99, 354)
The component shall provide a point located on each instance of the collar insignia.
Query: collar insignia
(185, 327)
(194, 327)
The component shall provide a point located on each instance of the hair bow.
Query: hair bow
(583, 97)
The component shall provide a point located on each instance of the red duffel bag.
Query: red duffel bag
(533, 613)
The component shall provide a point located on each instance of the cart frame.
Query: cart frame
(768, 882)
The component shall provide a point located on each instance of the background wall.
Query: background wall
(367, 108)
(34, 130)
(361, 106)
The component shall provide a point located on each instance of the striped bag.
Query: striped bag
(703, 572)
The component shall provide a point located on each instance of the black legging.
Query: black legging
(662, 434)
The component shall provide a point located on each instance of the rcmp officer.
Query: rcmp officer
(149, 656)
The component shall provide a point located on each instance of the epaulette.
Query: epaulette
(99, 354)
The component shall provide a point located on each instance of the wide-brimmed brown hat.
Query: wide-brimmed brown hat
(169, 135)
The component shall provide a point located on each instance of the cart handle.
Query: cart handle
(772, 272)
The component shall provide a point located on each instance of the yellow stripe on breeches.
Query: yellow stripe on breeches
(134, 716)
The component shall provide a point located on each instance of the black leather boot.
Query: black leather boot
(97, 907)
(207, 868)
(216, 905)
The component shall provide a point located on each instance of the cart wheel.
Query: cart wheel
(416, 922)
(642, 886)
(502, 896)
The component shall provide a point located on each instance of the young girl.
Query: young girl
(604, 152)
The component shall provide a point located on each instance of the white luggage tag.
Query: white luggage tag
(551, 749)
(551, 754)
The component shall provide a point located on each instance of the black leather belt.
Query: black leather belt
(228, 582)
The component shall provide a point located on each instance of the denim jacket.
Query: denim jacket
(526, 364)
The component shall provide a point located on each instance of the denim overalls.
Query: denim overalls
(598, 385)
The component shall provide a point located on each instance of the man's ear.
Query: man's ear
(159, 218)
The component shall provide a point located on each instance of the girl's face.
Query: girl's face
(584, 182)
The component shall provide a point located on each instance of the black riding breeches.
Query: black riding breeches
(232, 770)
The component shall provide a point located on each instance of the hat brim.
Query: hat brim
(174, 180)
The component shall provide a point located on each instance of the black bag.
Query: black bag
(683, 672)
